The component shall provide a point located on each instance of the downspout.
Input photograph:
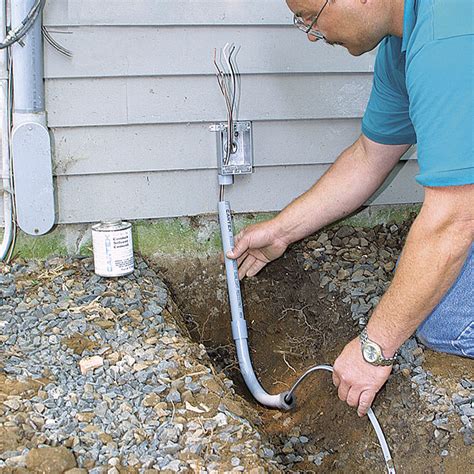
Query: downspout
(5, 141)
(31, 143)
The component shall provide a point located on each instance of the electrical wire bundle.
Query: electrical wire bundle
(60, 49)
(11, 191)
(15, 35)
(228, 78)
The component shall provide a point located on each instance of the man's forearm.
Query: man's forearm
(348, 183)
(430, 262)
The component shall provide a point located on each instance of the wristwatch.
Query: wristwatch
(372, 352)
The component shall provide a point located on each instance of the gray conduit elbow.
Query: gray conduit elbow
(285, 400)
(258, 392)
(239, 325)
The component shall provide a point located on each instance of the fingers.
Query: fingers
(256, 267)
(250, 266)
(242, 258)
(343, 391)
(239, 259)
(241, 245)
(353, 397)
(246, 265)
(365, 401)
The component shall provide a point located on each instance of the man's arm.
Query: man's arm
(350, 181)
(436, 248)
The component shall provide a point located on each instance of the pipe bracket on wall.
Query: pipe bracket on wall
(34, 191)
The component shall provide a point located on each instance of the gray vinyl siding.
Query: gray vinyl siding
(130, 112)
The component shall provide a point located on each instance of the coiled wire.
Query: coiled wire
(290, 399)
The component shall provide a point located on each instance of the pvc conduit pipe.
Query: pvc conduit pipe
(285, 400)
(239, 325)
(225, 180)
(5, 143)
(29, 65)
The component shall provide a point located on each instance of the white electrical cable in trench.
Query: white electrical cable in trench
(284, 400)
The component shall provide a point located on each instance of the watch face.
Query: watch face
(371, 353)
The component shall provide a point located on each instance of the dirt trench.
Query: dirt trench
(294, 324)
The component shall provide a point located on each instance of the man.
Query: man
(422, 93)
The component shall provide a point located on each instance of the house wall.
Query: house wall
(130, 112)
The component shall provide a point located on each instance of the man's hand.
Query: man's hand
(358, 381)
(255, 246)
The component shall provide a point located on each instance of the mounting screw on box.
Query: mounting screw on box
(240, 159)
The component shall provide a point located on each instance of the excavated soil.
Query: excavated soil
(294, 324)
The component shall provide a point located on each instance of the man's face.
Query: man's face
(343, 22)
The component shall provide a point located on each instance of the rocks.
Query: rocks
(347, 262)
(356, 265)
(12, 403)
(343, 274)
(90, 363)
(467, 410)
(50, 460)
(16, 462)
(344, 231)
(124, 388)
(153, 402)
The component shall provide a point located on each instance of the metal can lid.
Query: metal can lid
(109, 224)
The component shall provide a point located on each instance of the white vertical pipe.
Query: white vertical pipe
(28, 63)
(31, 143)
(5, 140)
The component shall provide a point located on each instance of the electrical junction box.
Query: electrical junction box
(240, 160)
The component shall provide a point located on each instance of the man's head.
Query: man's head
(358, 25)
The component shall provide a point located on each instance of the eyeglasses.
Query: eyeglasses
(309, 29)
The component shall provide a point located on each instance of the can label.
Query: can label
(113, 252)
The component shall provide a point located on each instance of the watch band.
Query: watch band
(364, 339)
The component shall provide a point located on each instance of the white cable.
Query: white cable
(5, 152)
(373, 419)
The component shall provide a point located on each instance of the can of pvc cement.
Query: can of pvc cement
(113, 248)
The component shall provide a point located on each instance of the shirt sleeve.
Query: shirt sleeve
(440, 83)
(387, 119)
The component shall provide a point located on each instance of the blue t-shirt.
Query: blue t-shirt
(423, 90)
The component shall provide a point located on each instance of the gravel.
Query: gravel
(356, 266)
(153, 402)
